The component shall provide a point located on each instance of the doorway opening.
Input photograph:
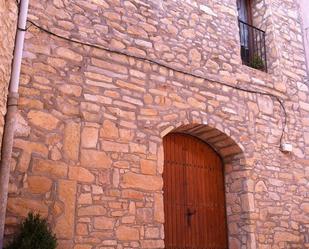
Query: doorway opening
(206, 203)
(194, 194)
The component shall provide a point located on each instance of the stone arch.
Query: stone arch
(223, 144)
(238, 197)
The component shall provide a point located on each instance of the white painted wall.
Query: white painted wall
(304, 8)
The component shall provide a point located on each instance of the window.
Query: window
(252, 39)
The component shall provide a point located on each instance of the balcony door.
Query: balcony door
(245, 17)
(194, 195)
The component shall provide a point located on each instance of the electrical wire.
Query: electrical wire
(166, 65)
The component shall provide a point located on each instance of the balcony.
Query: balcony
(253, 50)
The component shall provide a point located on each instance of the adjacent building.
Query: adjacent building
(163, 124)
(304, 9)
(8, 17)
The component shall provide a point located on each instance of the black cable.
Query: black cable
(20, 29)
(164, 64)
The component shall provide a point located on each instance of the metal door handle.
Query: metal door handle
(190, 213)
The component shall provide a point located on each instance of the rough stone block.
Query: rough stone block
(95, 159)
(143, 182)
(43, 120)
(148, 167)
(89, 137)
(80, 174)
(65, 223)
(93, 210)
(39, 184)
(50, 168)
(127, 233)
(71, 140)
(104, 223)
(22, 206)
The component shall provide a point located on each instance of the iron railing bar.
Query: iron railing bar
(265, 55)
(251, 26)
(260, 49)
(257, 42)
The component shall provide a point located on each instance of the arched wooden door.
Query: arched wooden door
(194, 195)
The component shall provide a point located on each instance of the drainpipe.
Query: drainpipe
(9, 127)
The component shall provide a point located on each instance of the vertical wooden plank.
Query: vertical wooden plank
(166, 190)
(189, 184)
(196, 156)
(183, 217)
(179, 187)
(170, 200)
(192, 194)
(223, 208)
(208, 198)
(183, 174)
(215, 207)
(201, 230)
(172, 219)
(202, 213)
(214, 194)
(205, 179)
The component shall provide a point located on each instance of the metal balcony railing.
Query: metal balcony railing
(253, 50)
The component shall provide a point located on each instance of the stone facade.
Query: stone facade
(88, 150)
(8, 17)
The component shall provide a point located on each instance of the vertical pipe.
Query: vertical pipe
(8, 135)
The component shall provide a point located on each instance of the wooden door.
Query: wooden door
(194, 196)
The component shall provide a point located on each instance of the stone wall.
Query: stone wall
(88, 149)
(8, 17)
